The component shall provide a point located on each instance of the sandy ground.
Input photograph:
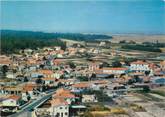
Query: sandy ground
(139, 38)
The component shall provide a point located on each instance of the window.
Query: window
(58, 114)
(66, 113)
(66, 107)
(60, 107)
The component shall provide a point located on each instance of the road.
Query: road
(32, 105)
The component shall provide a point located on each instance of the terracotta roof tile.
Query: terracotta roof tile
(47, 72)
(82, 85)
(63, 93)
(139, 62)
(14, 97)
(58, 101)
(116, 68)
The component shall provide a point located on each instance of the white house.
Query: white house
(50, 81)
(115, 70)
(93, 66)
(65, 94)
(59, 108)
(139, 66)
(81, 86)
(12, 101)
(89, 98)
(10, 75)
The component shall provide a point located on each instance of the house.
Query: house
(117, 70)
(36, 74)
(4, 60)
(50, 81)
(47, 73)
(139, 66)
(14, 90)
(57, 47)
(97, 84)
(11, 75)
(102, 43)
(162, 65)
(158, 80)
(82, 50)
(65, 94)
(93, 66)
(81, 86)
(28, 51)
(58, 62)
(89, 98)
(59, 108)
(66, 82)
(30, 90)
(72, 51)
(12, 101)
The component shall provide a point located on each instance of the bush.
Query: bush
(142, 48)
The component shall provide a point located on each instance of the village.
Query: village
(87, 79)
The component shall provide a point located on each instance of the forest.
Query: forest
(143, 47)
(12, 41)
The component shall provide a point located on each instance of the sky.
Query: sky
(113, 16)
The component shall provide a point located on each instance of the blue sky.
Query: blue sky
(120, 16)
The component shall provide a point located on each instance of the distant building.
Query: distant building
(65, 94)
(162, 65)
(89, 98)
(50, 81)
(81, 86)
(59, 108)
(139, 66)
(93, 66)
(115, 70)
(12, 101)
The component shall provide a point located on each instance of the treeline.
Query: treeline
(12, 41)
(42, 35)
(10, 45)
(143, 47)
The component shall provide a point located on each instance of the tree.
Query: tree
(4, 69)
(93, 76)
(132, 42)
(42, 66)
(26, 79)
(82, 78)
(122, 41)
(72, 65)
(104, 64)
(116, 64)
(39, 81)
(147, 73)
(146, 89)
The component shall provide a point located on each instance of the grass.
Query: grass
(150, 97)
(137, 108)
(101, 111)
(162, 93)
(118, 111)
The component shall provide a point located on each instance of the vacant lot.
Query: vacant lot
(139, 38)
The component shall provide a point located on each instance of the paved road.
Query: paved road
(32, 105)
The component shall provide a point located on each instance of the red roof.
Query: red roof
(63, 93)
(139, 62)
(14, 97)
(47, 72)
(82, 85)
(49, 79)
(116, 68)
(58, 101)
